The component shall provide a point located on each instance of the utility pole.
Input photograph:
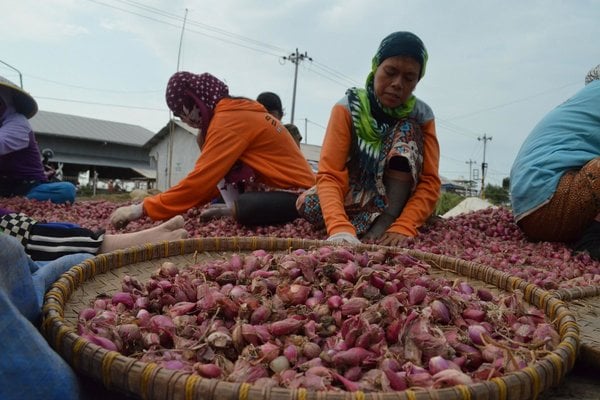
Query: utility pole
(470, 162)
(181, 38)
(296, 58)
(483, 164)
(305, 130)
(171, 124)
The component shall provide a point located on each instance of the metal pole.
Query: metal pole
(181, 38)
(19, 72)
(171, 125)
(296, 62)
(296, 58)
(470, 162)
(483, 164)
(305, 130)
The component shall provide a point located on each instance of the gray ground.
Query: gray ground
(582, 383)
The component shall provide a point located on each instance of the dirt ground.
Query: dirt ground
(582, 383)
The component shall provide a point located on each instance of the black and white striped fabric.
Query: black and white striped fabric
(48, 241)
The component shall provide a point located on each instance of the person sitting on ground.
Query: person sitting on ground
(378, 171)
(21, 169)
(45, 241)
(272, 103)
(231, 130)
(555, 178)
(295, 132)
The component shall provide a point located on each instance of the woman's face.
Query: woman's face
(395, 80)
(191, 116)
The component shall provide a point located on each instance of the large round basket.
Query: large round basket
(584, 302)
(102, 274)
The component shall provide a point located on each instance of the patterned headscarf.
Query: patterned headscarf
(370, 118)
(186, 90)
(593, 75)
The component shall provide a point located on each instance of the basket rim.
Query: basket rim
(58, 332)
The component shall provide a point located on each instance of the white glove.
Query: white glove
(343, 237)
(123, 215)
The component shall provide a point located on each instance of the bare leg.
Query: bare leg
(170, 230)
(398, 185)
(216, 211)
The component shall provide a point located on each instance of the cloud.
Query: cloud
(51, 22)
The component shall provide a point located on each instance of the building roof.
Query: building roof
(67, 125)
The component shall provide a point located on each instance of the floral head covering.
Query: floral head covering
(186, 90)
(593, 75)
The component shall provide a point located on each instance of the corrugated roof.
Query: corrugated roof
(89, 128)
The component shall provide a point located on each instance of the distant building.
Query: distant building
(112, 150)
(455, 186)
(88, 147)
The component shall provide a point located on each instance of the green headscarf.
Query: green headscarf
(372, 120)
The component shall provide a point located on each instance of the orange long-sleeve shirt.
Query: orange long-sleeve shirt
(333, 179)
(240, 129)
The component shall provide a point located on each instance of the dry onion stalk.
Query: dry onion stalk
(324, 319)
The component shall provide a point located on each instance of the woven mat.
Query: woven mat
(587, 313)
(584, 302)
(103, 274)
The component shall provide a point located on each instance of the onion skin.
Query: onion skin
(342, 331)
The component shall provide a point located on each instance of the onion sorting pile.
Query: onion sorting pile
(329, 318)
(488, 236)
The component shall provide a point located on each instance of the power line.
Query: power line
(197, 24)
(94, 89)
(515, 101)
(327, 70)
(100, 104)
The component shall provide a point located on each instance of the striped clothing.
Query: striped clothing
(49, 241)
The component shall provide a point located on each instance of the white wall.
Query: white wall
(185, 154)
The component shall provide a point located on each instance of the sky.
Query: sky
(495, 67)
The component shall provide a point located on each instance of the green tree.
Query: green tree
(496, 195)
(446, 202)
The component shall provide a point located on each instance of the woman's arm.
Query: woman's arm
(332, 178)
(14, 133)
(223, 147)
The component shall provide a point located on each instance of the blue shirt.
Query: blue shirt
(566, 139)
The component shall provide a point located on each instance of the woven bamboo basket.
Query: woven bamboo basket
(584, 302)
(103, 274)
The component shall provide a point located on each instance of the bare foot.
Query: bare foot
(172, 224)
(170, 230)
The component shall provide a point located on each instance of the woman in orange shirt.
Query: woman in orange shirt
(239, 142)
(378, 172)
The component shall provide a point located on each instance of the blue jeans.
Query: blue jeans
(56, 192)
(29, 367)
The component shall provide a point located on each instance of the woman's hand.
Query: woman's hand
(343, 237)
(392, 239)
(123, 215)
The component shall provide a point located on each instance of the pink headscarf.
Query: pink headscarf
(186, 89)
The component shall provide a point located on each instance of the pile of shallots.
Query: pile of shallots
(488, 236)
(329, 318)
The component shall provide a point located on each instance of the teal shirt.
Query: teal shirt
(565, 139)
